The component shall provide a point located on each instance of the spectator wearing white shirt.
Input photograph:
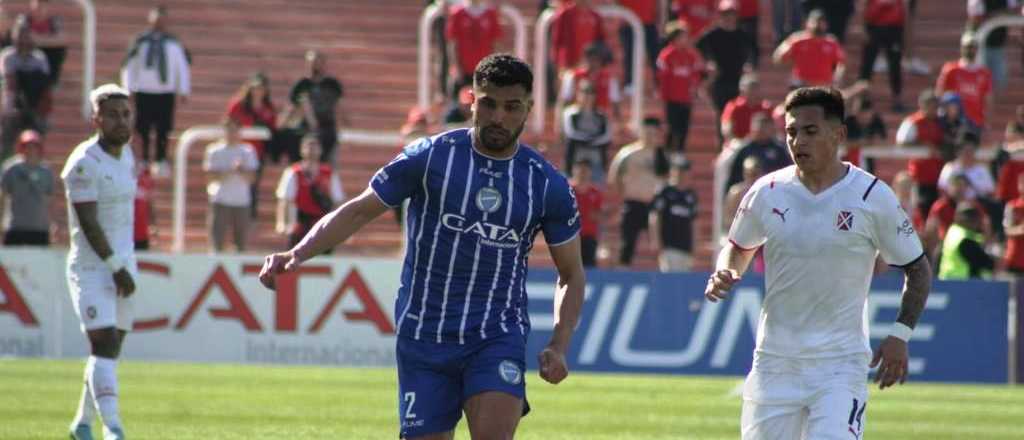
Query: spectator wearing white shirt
(230, 167)
(979, 179)
(156, 71)
(308, 190)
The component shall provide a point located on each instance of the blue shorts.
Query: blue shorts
(435, 380)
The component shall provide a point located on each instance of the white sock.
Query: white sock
(86, 405)
(103, 383)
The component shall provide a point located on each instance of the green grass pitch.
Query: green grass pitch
(200, 401)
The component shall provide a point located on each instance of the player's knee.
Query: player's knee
(105, 343)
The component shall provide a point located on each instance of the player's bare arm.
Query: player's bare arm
(732, 263)
(892, 355)
(334, 228)
(86, 212)
(568, 302)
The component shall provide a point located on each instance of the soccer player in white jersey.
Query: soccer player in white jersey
(99, 181)
(822, 223)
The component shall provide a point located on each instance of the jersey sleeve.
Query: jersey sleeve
(561, 220)
(894, 233)
(403, 176)
(747, 230)
(80, 183)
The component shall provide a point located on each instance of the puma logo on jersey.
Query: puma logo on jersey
(781, 214)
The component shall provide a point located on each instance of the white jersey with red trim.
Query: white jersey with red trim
(819, 254)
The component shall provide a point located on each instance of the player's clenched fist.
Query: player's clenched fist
(720, 284)
(275, 264)
(552, 366)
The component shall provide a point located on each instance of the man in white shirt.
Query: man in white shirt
(230, 167)
(99, 181)
(822, 223)
(156, 71)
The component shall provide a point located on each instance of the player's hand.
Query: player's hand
(552, 365)
(124, 283)
(720, 283)
(275, 264)
(891, 357)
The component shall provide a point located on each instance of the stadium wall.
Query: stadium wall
(339, 311)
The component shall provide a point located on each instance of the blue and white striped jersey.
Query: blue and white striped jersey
(471, 222)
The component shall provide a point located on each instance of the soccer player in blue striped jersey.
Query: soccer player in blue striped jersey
(477, 198)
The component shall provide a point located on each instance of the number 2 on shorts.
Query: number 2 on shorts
(410, 398)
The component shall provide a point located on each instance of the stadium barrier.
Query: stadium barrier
(339, 311)
(541, 59)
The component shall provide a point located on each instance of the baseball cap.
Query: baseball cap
(28, 137)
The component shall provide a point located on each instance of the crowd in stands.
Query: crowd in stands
(700, 55)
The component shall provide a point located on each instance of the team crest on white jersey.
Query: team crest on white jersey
(844, 221)
(488, 199)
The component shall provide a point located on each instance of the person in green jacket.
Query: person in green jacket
(963, 250)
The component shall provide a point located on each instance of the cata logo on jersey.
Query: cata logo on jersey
(490, 234)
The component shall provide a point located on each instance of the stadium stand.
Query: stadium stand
(371, 48)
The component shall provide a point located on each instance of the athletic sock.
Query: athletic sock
(103, 383)
(86, 405)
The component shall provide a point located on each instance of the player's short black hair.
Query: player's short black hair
(829, 99)
(651, 121)
(503, 70)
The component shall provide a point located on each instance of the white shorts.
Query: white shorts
(819, 400)
(95, 298)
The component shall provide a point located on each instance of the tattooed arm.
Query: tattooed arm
(892, 356)
(917, 282)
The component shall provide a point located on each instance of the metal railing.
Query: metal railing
(207, 133)
(427, 19)
(88, 53)
(992, 24)
(540, 60)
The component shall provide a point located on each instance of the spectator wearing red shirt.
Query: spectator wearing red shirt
(472, 29)
(590, 199)
(884, 22)
(680, 73)
(922, 128)
(749, 13)
(970, 80)
(144, 215)
(48, 33)
(647, 12)
(817, 58)
(697, 14)
(251, 107)
(574, 27)
(1013, 227)
(595, 71)
(739, 112)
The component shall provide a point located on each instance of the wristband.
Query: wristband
(115, 263)
(901, 331)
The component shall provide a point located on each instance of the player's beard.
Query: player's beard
(118, 136)
(497, 139)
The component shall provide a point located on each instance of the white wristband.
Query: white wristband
(901, 331)
(115, 263)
